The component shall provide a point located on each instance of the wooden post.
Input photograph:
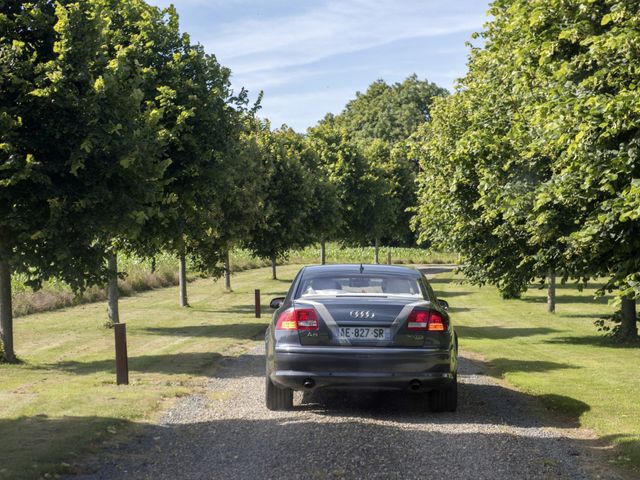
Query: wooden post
(122, 361)
(257, 299)
(389, 257)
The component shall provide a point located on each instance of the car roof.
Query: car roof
(357, 267)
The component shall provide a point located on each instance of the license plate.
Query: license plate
(363, 333)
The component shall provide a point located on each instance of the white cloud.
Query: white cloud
(331, 28)
(311, 56)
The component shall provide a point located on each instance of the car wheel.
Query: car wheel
(278, 398)
(445, 399)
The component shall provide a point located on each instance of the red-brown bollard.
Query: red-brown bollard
(258, 308)
(122, 361)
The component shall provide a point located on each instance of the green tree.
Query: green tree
(390, 112)
(538, 149)
(203, 121)
(361, 185)
(475, 185)
(239, 203)
(588, 115)
(80, 150)
(285, 220)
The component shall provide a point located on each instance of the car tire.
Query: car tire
(278, 398)
(445, 399)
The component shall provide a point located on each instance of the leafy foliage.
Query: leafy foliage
(115, 134)
(536, 154)
(284, 222)
(390, 112)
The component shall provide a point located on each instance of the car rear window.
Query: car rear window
(360, 284)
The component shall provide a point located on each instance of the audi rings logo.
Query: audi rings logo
(362, 314)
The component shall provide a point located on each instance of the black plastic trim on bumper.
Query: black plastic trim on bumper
(360, 381)
(361, 368)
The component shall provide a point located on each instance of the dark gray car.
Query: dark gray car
(361, 327)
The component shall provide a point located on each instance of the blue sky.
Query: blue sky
(311, 56)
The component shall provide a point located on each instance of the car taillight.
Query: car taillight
(426, 320)
(298, 319)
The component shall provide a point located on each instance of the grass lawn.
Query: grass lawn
(561, 357)
(63, 402)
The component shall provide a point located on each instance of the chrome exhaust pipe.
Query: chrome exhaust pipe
(308, 383)
(415, 385)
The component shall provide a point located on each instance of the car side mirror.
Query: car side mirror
(444, 304)
(276, 302)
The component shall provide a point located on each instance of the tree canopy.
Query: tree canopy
(285, 222)
(390, 112)
(533, 163)
(114, 136)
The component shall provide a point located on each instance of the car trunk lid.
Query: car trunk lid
(361, 321)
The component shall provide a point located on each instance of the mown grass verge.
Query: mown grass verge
(62, 401)
(561, 357)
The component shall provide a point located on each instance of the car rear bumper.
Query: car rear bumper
(361, 368)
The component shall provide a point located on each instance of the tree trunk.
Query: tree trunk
(6, 315)
(112, 288)
(629, 326)
(323, 252)
(227, 271)
(376, 251)
(153, 264)
(273, 268)
(182, 275)
(551, 292)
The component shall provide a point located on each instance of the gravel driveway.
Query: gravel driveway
(498, 433)
(226, 432)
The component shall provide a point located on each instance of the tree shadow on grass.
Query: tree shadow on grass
(235, 330)
(459, 309)
(500, 333)
(451, 293)
(574, 286)
(560, 299)
(593, 340)
(509, 365)
(443, 280)
(629, 446)
(40, 443)
(281, 280)
(239, 309)
(581, 315)
(436, 270)
(178, 363)
(274, 293)
(190, 363)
